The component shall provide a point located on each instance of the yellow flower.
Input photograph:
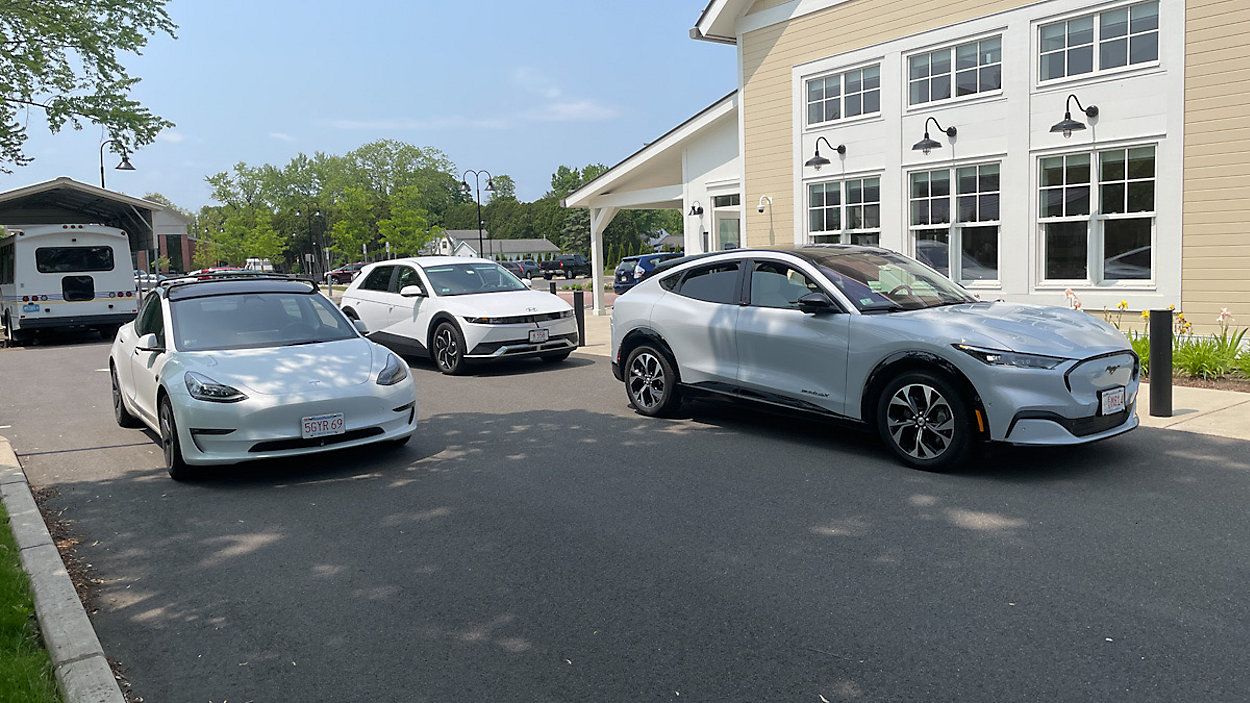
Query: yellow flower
(1123, 305)
(1145, 314)
(1171, 307)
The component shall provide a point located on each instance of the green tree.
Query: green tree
(63, 58)
(263, 241)
(356, 222)
(408, 228)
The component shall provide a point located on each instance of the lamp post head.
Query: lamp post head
(125, 164)
(464, 187)
(490, 185)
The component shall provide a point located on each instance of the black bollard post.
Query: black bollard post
(552, 287)
(579, 312)
(1161, 363)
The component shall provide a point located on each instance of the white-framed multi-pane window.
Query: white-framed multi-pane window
(956, 71)
(954, 221)
(845, 212)
(840, 96)
(1102, 41)
(1096, 212)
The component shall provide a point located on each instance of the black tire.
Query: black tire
(397, 443)
(568, 275)
(172, 448)
(651, 381)
(927, 421)
(12, 337)
(447, 349)
(556, 357)
(108, 332)
(120, 413)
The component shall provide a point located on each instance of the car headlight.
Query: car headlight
(202, 387)
(394, 371)
(998, 357)
(486, 320)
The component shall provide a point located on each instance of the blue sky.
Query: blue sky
(510, 87)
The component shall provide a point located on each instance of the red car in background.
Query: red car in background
(344, 274)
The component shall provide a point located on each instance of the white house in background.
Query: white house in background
(464, 242)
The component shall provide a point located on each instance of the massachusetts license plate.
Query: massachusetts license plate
(1111, 401)
(321, 425)
(539, 336)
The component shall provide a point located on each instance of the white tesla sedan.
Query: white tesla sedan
(236, 369)
(459, 310)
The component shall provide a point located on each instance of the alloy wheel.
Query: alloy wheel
(167, 435)
(446, 350)
(647, 384)
(920, 421)
(117, 394)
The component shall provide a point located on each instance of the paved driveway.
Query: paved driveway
(539, 542)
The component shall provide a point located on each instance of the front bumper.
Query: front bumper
(487, 342)
(50, 322)
(268, 427)
(1048, 429)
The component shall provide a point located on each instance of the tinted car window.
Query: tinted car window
(717, 283)
(407, 277)
(73, 259)
(777, 285)
(378, 279)
(151, 319)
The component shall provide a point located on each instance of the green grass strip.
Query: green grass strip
(25, 670)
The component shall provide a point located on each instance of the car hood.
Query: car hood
(1030, 329)
(521, 302)
(285, 370)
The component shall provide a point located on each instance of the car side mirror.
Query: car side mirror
(149, 343)
(360, 326)
(816, 304)
(412, 292)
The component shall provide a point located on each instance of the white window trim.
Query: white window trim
(1095, 245)
(954, 228)
(954, 99)
(840, 179)
(1035, 49)
(841, 71)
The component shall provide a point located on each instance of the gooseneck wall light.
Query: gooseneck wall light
(1068, 125)
(818, 161)
(928, 144)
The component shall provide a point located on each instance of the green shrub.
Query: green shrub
(1141, 345)
(1243, 363)
(1204, 357)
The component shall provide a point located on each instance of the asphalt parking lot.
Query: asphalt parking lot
(538, 541)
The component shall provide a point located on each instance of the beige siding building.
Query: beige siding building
(1022, 148)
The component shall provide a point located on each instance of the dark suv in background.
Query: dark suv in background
(633, 269)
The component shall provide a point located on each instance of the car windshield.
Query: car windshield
(467, 279)
(256, 320)
(883, 281)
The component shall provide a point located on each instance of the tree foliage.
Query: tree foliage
(63, 58)
(389, 191)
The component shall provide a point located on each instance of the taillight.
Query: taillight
(112, 294)
(25, 298)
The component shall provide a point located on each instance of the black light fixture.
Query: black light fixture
(819, 161)
(125, 164)
(928, 144)
(1069, 125)
(118, 148)
(696, 209)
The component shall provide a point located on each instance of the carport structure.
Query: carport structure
(695, 160)
(66, 201)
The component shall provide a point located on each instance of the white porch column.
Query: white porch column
(600, 218)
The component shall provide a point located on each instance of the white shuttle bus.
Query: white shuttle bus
(58, 276)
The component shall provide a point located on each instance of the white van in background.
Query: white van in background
(58, 276)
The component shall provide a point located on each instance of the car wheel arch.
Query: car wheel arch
(438, 319)
(642, 335)
(914, 360)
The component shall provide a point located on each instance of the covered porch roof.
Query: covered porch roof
(652, 178)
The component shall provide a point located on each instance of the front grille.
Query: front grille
(523, 346)
(529, 319)
(281, 445)
(1085, 426)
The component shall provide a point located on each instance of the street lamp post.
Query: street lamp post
(125, 164)
(477, 187)
(317, 255)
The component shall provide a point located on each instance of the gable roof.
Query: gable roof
(675, 137)
(716, 22)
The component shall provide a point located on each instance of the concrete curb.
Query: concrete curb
(82, 672)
